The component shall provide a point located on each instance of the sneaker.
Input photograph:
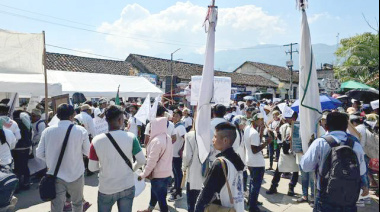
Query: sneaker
(302, 200)
(175, 197)
(291, 192)
(86, 206)
(360, 204)
(67, 207)
(368, 201)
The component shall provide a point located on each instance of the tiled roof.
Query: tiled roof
(64, 62)
(161, 67)
(282, 73)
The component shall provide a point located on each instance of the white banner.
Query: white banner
(21, 53)
(222, 90)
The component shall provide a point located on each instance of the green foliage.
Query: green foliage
(359, 59)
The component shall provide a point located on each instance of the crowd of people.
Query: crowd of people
(336, 168)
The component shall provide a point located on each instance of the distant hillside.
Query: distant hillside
(270, 54)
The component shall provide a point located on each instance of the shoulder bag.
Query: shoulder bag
(219, 208)
(47, 184)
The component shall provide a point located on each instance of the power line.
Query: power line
(114, 58)
(94, 31)
(36, 13)
(176, 43)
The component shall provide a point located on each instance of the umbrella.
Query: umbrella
(247, 98)
(364, 95)
(354, 85)
(328, 103)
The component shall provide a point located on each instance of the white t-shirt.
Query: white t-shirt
(252, 138)
(115, 175)
(15, 129)
(133, 125)
(179, 132)
(170, 129)
(97, 112)
(5, 150)
(187, 121)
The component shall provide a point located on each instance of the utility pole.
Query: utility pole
(172, 72)
(290, 65)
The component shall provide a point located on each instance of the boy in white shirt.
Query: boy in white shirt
(178, 146)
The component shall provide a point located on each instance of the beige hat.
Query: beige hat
(268, 108)
(85, 107)
(351, 110)
(36, 112)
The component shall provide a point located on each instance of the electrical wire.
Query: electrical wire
(113, 58)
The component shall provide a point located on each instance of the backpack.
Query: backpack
(38, 124)
(340, 179)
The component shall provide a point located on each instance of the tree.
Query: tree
(359, 59)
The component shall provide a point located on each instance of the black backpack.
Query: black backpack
(340, 177)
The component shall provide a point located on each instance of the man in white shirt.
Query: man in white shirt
(85, 120)
(38, 125)
(178, 146)
(187, 120)
(255, 160)
(134, 125)
(70, 176)
(116, 182)
(7, 143)
(100, 111)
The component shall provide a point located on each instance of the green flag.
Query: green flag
(117, 99)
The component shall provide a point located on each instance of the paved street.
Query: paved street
(29, 201)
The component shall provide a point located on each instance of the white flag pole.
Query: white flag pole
(203, 120)
(46, 81)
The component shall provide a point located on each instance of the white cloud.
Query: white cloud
(316, 17)
(181, 24)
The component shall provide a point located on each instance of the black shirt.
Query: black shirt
(216, 180)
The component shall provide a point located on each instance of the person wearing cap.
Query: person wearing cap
(9, 124)
(287, 162)
(100, 111)
(38, 126)
(255, 160)
(84, 118)
(356, 104)
(187, 120)
(274, 126)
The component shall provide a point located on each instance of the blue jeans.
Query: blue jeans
(257, 177)
(124, 201)
(159, 191)
(307, 180)
(321, 206)
(192, 196)
(178, 175)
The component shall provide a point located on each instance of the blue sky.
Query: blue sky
(150, 23)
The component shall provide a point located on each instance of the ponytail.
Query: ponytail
(3, 139)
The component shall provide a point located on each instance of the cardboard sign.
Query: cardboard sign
(101, 125)
(297, 141)
(222, 90)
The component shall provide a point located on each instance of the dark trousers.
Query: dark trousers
(271, 154)
(192, 196)
(277, 178)
(159, 191)
(245, 180)
(322, 206)
(21, 158)
(257, 177)
(178, 175)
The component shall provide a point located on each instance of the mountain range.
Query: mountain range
(229, 60)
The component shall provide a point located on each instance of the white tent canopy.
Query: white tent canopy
(28, 85)
(103, 85)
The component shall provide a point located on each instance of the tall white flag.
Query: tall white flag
(310, 105)
(21, 53)
(153, 110)
(203, 120)
(144, 111)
